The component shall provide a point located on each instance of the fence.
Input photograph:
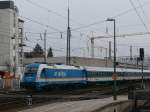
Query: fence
(13, 83)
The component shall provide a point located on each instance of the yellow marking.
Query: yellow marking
(114, 76)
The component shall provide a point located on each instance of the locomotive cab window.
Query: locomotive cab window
(31, 70)
(43, 73)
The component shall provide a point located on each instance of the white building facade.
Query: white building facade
(11, 38)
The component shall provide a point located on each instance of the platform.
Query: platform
(76, 106)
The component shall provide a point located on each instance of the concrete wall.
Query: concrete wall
(77, 61)
(121, 106)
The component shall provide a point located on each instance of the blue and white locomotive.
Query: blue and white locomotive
(41, 75)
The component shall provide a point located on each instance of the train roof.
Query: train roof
(33, 65)
(85, 67)
(67, 67)
(61, 67)
(111, 69)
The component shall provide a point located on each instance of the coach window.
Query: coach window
(89, 74)
(109, 73)
(105, 74)
(102, 74)
(95, 74)
(137, 74)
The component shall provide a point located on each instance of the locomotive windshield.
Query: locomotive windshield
(31, 70)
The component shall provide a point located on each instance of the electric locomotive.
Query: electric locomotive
(40, 75)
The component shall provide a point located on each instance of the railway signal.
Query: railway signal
(142, 59)
(141, 54)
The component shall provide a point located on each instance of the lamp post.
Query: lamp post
(114, 75)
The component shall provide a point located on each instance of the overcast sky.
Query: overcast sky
(82, 13)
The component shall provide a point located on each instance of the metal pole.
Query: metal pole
(130, 52)
(45, 57)
(106, 58)
(109, 49)
(68, 40)
(69, 35)
(115, 91)
(114, 75)
(67, 50)
(92, 47)
(142, 76)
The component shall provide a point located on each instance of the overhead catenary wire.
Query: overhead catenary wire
(54, 12)
(78, 27)
(98, 22)
(81, 33)
(143, 11)
(116, 16)
(51, 11)
(42, 24)
(139, 15)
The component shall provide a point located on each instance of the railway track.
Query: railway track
(19, 100)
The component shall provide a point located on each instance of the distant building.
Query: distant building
(11, 38)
